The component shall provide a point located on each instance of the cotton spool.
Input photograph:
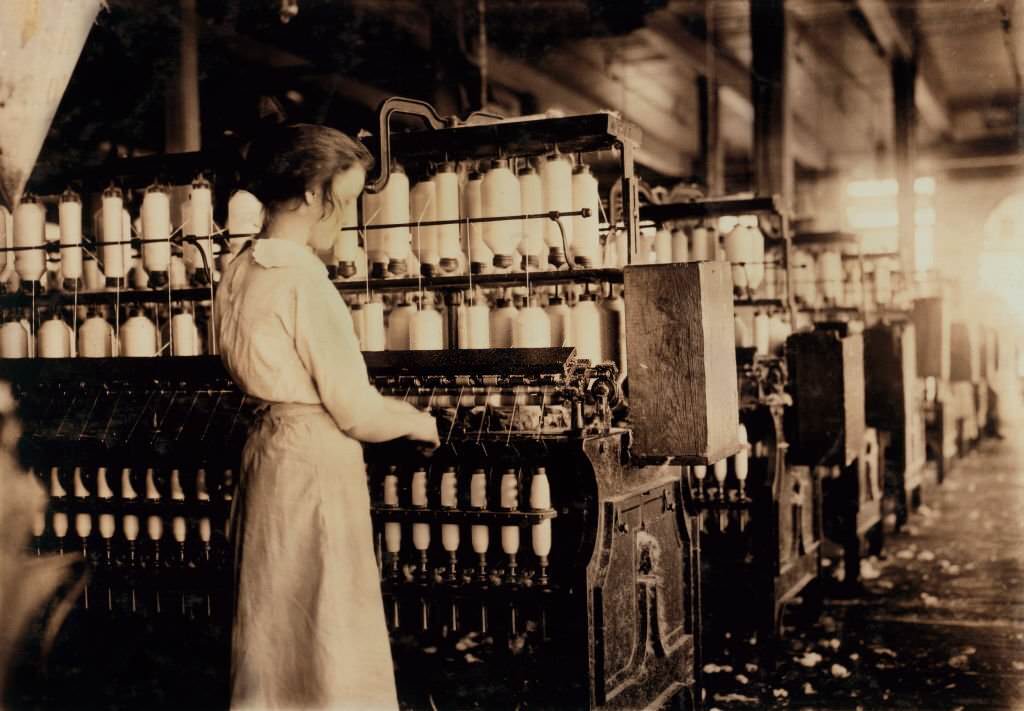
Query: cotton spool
(426, 330)
(398, 326)
(741, 464)
(178, 273)
(92, 276)
(480, 255)
(853, 291)
(586, 240)
(560, 318)
(112, 226)
(346, 245)
(95, 338)
(395, 210)
(830, 274)
(761, 333)
(376, 240)
(744, 248)
(201, 220)
(645, 247)
(423, 207)
(449, 500)
(29, 231)
(556, 186)
(156, 233)
(744, 339)
(586, 322)
(52, 340)
(778, 332)
(137, 276)
(358, 321)
(613, 330)
(13, 340)
(883, 282)
(184, 335)
(373, 336)
(446, 195)
(70, 216)
(704, 247)
(127, 256)
(245, 218)
(755, 264)
(804, 275)
(475, 326)
(499, 197)
(680, 246)
(532, 328)
(503, 321)
(662, 246)
(531, 202)
(138, 337)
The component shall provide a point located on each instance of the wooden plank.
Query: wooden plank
(682, 355)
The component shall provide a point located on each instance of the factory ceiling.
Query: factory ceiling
(334, 61)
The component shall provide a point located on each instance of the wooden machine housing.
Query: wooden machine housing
(827, 431)
(933, 329)
(894, 408)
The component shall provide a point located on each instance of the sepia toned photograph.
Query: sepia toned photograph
(511, 355)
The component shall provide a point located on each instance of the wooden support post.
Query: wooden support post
(904, 76)
(773, 150)
(712, 151)
(182, 133)
(712, 156)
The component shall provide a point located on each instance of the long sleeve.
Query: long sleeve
(326, 343)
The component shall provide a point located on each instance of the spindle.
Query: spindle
(556, 185)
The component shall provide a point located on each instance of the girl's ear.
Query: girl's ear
(311, 197)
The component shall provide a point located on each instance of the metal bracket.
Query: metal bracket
(411, 107)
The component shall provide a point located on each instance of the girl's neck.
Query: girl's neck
(289, 226)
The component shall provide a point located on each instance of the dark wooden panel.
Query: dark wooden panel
(964, 353)
(827, 420)
(681, 346)
(884, 382)
(932, 325)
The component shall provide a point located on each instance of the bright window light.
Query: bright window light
(924, 216)
(872, 188)
(925, 186)
(887, 187)
(924, 247)
(872, 218)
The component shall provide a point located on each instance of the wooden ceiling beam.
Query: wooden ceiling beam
(664, 32)
(660, 154)
(929, 100)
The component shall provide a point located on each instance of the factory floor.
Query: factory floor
(940, 622)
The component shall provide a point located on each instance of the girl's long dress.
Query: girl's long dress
(309, 628)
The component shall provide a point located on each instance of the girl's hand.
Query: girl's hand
(425, 430)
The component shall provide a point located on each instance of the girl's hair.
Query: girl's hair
(286, 161)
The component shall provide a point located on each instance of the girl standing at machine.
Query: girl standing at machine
(309, 628)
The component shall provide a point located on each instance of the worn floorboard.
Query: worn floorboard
(941, 626)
